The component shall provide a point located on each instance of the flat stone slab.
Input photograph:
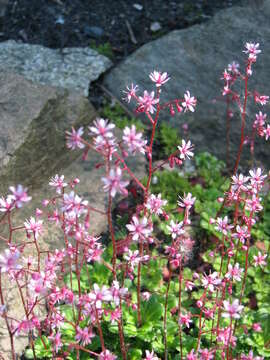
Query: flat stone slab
(33, 122)
(195, 58)
(73, 68)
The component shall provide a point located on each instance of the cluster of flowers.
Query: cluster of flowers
(230, 76)
(39, 280)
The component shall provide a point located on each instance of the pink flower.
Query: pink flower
(175, 229)
(254, 204)
(185, 319)
(233, 67)
(234, 272)
(117, 292)
(189, 285)
(102, 128)
(74, 139)
(257, 178)
(134, 140)
(140, 229)
(33, 226)
(206, 354)
(185, 150)
(39, 284)
(226, 76)
(187, 201)
(158, 78)
(97, 296)
(191, 355)
(232, 310)
(56, 339)
(189, 103)
(113, 182)
(74, 205)
(58, 182)
(107, 355)
(115, 315)
(259, 123)
(9, 261)
(223, 226)
(259, 260)
(238, 182)
(257, 327)
(155, 203)
(241, 233)
(130, 92)
(84, 336)
(211, 281)
(132, 257)
(7, 204)
(147, 102)
(267, 132)
(146, 295)
(261, 99)
(150, 355)
(223, 337)
(19, 195)
(252, 49)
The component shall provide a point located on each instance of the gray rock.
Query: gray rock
(32, 129)
(73, 68)
(195, 59)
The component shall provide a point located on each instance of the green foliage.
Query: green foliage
(103, 49)
(169, 139)
(118, 116)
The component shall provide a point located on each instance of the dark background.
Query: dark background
(66, 23)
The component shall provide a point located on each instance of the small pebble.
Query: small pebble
(138, 7)
(155, 26)
(93, 31)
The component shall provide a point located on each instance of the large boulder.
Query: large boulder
(71, 68)
(195, 59)
(32, 129)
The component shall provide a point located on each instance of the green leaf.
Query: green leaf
(152, 310)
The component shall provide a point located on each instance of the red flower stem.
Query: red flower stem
(129, 171)
(179, 308)
(165, 314)
(243, 122)
(139, 319)
(109, 216)
(228, 125)
(100, 332)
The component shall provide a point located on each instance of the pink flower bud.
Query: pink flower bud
(38, 212)
(172, 111)
(45, 202)
(257, 327)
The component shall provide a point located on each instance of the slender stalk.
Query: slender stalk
(165, 314)
(243, 122)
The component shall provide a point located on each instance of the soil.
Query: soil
(123, 24)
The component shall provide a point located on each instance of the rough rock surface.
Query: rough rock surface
(73, 68)
(195, 59)
(33, 121)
